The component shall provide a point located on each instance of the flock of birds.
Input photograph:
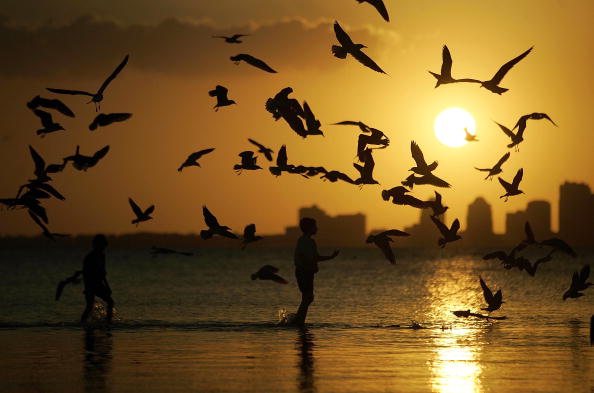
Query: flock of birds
(301, 119)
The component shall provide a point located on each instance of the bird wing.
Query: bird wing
(269, 268)
(560, 245)
(149, 210)
(101, 153)
(508, 66)
(379, 6)
(259, 145)
(209, 218)
(228, 234)
(38, 160)
(506, 130)
(544, 115)
(412, 201)
(518, 178)
(200, 153)
(51, 190)
(584, 273)
(393, 232)
(529, 234)
(498, 298)
(249, 231)
(441, 226)
(384, 245)
(278, 279)
(486, 292)
(135, 208)
(45, 117)
(417, 154)
(437, 198)
(522, 122)
(59, 106)
(38, 221)
(113, 75)
(341, 36)
(436, 181)
(236, 36)
(71, 92)
(281, 157)
(575, 280)
(505, 184)
(258, 63)
(501, 255)
(502, 160)
(113, 117)
(446, 65)
(455, 226)
(366, 61)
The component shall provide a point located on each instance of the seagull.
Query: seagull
(193, 158)
(262, 149)
(251, 60)
(103, 119)
(507, 260)
(578, 283)
(446, 70)
(399, 197)
(449, 234)
(430, 179)
(69, 280)
(47, 122)
(379, 6)
(494, 301)
(559, 245)
(531, 268)
(334, 176)
(376, 137)
(281, 106)
(214, 228)
(249, 235)
(221, 93)
(347, 46)
(82, 163)
(469, 137)
(281, 162)
(268, 272)
(493, 84)
(512, 189)
(382, 240)
(362, 126)
(311, 123)
(534, 116)
(43, 190)
(45, 231)
(141, 215)
(248, 162)
(436, 205)
(159, 250)
(496, 169)
(56, 104)
(422, 168)
(366, 171)
(516, 138)
(41, 170)
(233, 39)
(98, 96)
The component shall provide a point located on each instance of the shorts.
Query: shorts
(305, 281)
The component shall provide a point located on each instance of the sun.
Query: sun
(450, 124)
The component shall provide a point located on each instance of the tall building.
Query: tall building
(424, 233)
(576, 214)
(479, 223)
(514, 226)
(538, 213)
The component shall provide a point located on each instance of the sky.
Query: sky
(174, 62)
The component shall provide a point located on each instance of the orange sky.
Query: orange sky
(173, 65)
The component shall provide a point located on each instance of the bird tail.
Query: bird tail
(339, 51)
(205, 234)
(437, 76)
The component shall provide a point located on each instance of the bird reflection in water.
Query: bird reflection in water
(304, 345)
(97, 359)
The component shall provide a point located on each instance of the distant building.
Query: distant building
(576, 214)
(424, 233)
(538, 213)
(479, 224)
(514, 226)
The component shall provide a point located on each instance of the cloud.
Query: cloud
(89, 46)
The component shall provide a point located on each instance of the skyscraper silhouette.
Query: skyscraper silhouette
(576, 214)
(538, 213)
(479, 224)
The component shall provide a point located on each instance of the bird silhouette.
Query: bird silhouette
(516, 138)
(68, 280)
(41, 170)
(214, 228)
(436, 205)
(334, 176)
(379, 6)
(105, 119)
(41, 190)
(366, 171)
(289, 109)
(98, 96)
(494, 302)
(193, 158)
(421, 167)
(362, 126)
(446, 70)
(268, 272)
(531, 268)
(512, 189)
(382, 241)
(555, 243)
(399, 197)
(281, 162)
(47, 122)
(347, 46)
(521, 124)
(312, 125)
(82, 162)
(508, 260)
(429, 179)
(578, 283)
(469, 137)
(234, 39)
(249, 235)
(496, 169)
(262, 149)
(141, 215)
(48, 103)
(251, 60)
(221, 93)
(248, 162)
(45, 231)
(163, 251)
(448, 234)
(376, 138)
(493, 83)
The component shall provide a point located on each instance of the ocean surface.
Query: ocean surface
(200, 324)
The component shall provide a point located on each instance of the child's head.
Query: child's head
(308, 226)
(99, 242)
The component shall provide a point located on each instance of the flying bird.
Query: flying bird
(47, 122)
(248, 162)
(436, 205)
(366, 171)
(193, 158)
(312, 125)
(221, 93)
(469, 137)
(262, 149)
(507, 260)
(516, 138)
(268, 272)
(41, 170)
(214, 228)
(82, 162)
(162, 251)
(446, 70)
(249, 235)
(521, 124)
(531, 268)
(379, 6)
(578, 283)
(334, 176)
(494, 302)
(493, 84)
(347, 46)
(69, 280)
(382, 241)
(289, 109)
(234, 39)
(421, 167)
(48, 103)
(98, 96)
(513, 188)
(399, 197)
(141, 215)
(45, 231)
(251, 60)
(103, 119)
(496, 169)
(430, 179)
(448, 234)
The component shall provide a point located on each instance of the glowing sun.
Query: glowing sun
(450, 124)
